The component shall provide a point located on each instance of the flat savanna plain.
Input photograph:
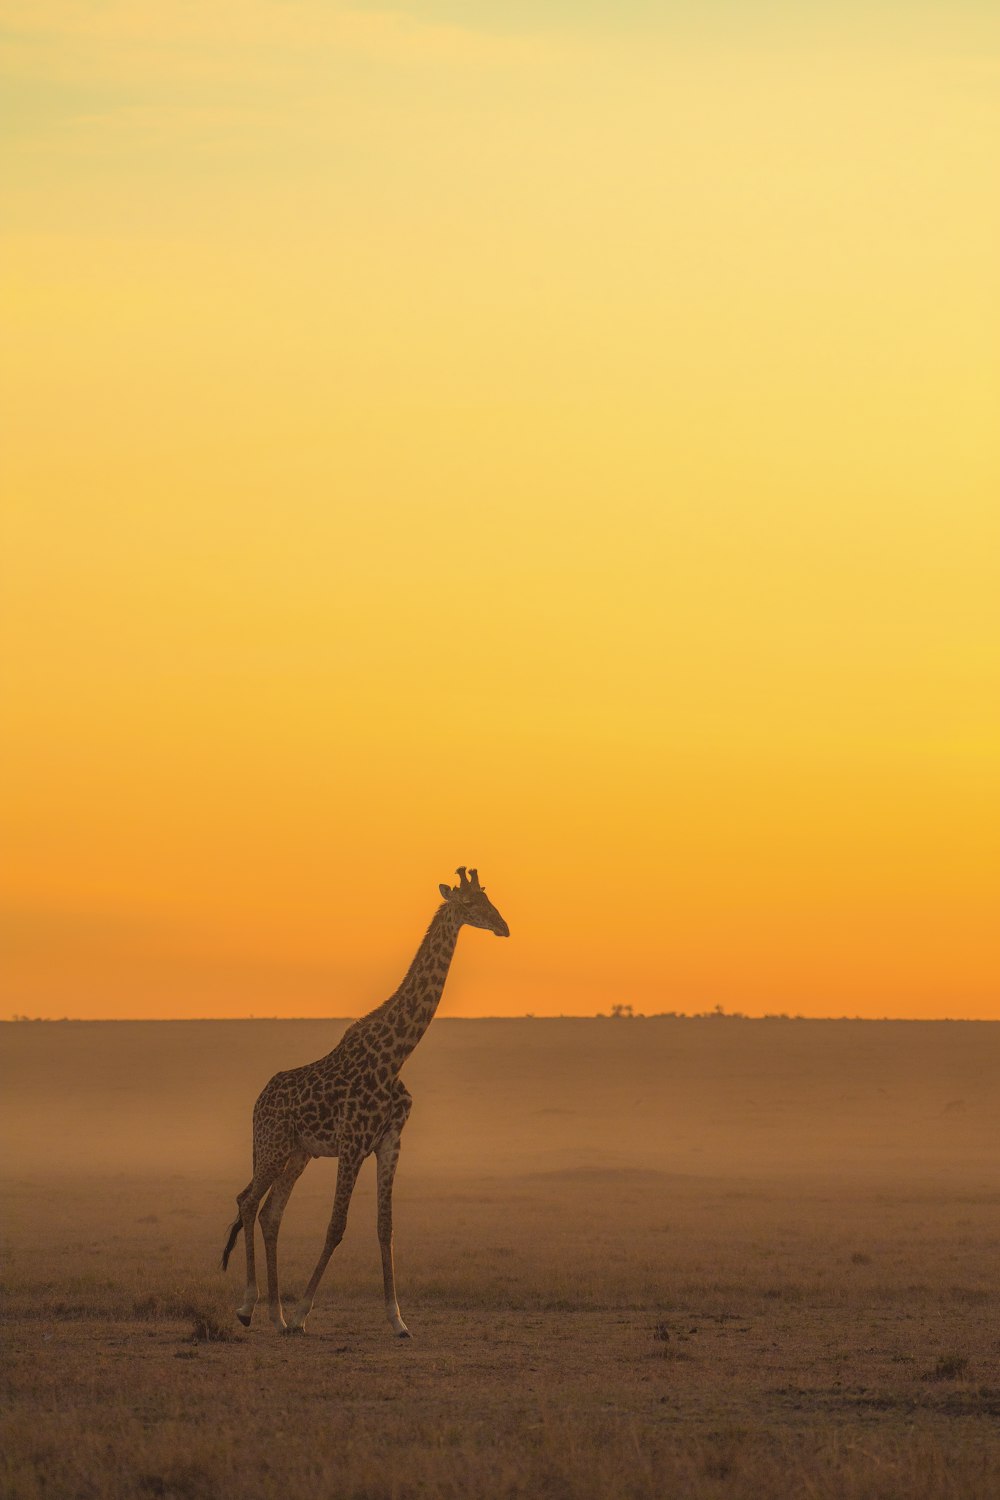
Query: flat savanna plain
(710, 1258)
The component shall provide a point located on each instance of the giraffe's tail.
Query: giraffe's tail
(234, 1231)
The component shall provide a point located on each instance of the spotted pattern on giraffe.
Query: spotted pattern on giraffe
(350, 1104)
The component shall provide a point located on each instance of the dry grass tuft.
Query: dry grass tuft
(209, 1309)
(207, 1329)
(948, 1367)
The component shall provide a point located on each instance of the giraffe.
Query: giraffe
(350, 1104)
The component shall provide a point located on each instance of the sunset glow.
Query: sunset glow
(556, 439)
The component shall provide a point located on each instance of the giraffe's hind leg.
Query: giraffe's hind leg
(270, 1223)
(248, 1202)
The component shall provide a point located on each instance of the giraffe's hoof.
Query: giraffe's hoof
(293, 1330)
(406, 1334)
(245, 1318)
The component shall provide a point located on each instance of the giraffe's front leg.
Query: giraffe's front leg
(347, 1175)
(387, 1156)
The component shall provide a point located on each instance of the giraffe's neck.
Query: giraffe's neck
(409, 1012)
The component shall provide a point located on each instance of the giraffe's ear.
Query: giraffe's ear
(446, 891)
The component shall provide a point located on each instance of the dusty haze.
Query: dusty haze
(859, 1101)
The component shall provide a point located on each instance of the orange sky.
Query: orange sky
(558, 440)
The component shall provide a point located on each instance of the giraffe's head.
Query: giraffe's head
(471, 901)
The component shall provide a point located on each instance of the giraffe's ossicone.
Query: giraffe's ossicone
(350, 1104)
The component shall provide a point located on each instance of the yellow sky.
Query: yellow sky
(557, 439)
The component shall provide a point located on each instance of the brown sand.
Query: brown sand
(639, 1258)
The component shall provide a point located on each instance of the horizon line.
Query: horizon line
(664, 1015)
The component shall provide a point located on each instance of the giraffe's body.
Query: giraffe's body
(316, 1107)
(350, 1104)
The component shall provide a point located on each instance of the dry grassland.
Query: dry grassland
(648, 1258)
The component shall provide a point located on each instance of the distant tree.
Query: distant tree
(621, 1012)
